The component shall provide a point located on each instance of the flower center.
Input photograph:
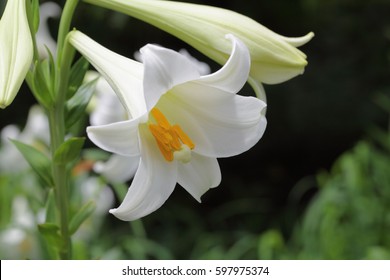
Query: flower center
(172, 141)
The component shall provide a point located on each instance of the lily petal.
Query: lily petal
(234, 74)
(124, 75)
(106, 107)
(164, 69)
(120, 137)
(199, 175)
(153, 183)
(118, 168)
(220, 124)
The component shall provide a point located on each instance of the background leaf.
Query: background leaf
(84, 213)
(39, 162)
(69, 150)
(76, 106)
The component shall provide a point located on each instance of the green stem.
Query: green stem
(60, 174)
(61, 185)
(64, 28)
(57, 126)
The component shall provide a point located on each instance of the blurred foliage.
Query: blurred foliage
(276, 201)
(349, 218)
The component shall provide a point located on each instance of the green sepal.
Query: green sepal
(77, 74)
(76, 106)
(84, 213)
(69, 150)
(39, 162)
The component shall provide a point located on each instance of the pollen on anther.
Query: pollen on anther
(183, 136)
(170, 139)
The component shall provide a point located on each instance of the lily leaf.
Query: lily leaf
(51, 232)
(35, 15)
(50, 207)
(69, 150)
(39, 162)
(75, 107)
(77, 74)
(40, 81)
(81, 216)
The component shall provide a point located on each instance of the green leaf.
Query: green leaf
(83, 214)
(76, 106)
(35, 15)
(383, 101)
(32, 12)
(95, 154)
(76, 76)
(41, 82)
(69, 150)
(50, 228)
(50, 207)
(39, 162)
(51, 233)
(120, 190)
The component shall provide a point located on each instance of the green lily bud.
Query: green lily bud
(274, 58)
(16, 50)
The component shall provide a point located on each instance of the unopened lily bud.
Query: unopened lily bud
(16, 50)
(274, 58)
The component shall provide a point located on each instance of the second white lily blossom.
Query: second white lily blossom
(180, 121)
(16, 50)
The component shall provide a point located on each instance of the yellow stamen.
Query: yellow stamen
(170, 139)
(185, 139)
(160, 118)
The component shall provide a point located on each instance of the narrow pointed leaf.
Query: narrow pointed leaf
(69, 150)
(39, 162)
(42, 88)
(50, 207)
(77, 74)
(51, 232)
(76, 106)
(83, 214)
(35, 15)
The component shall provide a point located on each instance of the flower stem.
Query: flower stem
(65, 22)
(57, 127)
(61, 185)
(57, 135)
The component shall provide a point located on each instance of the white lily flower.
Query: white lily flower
(180, 121)
(105, 106)
(203, 67)
(275, 58)
(16, 50)
(108, 109)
